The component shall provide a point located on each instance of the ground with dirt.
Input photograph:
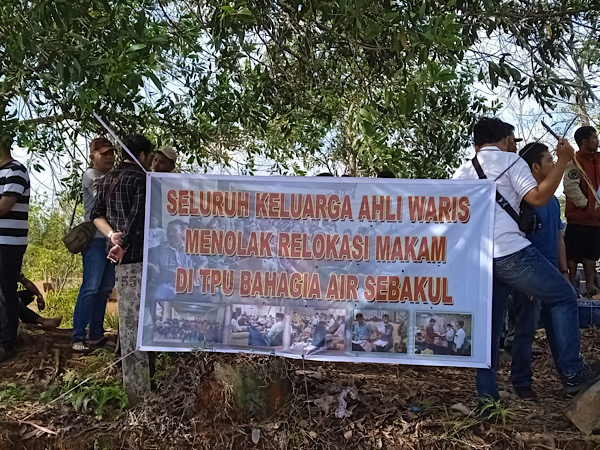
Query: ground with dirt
(215, 401)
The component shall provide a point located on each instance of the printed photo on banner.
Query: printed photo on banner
(443, 334)
(189, 323)
(317, 329)
(381, 331)
(257, 326)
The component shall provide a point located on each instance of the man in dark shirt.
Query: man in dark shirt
(119, 215)
(430, 333)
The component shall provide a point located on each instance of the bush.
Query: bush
(63, 304)
(47, 259)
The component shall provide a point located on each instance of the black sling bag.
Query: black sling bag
(527, 218)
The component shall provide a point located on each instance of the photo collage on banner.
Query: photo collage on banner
(393, 271)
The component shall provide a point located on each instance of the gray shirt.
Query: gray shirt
(89, 194)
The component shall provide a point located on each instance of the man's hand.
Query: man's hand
(116, 237)
(33, 290)
(564, 151)
(41, 304)
(116, 254)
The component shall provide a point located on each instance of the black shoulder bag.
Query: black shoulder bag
(527, 218)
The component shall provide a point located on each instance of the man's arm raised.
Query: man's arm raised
(539, 196)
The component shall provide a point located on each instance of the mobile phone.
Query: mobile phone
(549, 130)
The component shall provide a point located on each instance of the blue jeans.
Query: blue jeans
(98, 282)
(530, 273)
(527, 316)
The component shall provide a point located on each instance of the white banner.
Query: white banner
(332, 269)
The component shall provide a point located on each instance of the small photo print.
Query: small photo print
(443, 334)
(257, 326)
(189, 323)
(382, 331)
(317, 329)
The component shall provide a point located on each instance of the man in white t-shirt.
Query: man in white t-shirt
(449, 336)
(459, 338)
(517, 264)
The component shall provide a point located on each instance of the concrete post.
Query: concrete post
(136, 369)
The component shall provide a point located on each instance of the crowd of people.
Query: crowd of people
(192, 331)
(533, 273)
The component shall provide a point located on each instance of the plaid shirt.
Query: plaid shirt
(124, 210)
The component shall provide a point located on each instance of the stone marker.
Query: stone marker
(584, 409)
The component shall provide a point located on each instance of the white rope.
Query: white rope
(119, 141)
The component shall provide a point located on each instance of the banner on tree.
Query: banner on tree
(335, 269)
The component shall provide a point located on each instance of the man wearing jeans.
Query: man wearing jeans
(14, 224)
(549, 241)
(98, 273)
(517, 264)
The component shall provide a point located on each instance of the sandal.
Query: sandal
(80, 347)
(592, 293)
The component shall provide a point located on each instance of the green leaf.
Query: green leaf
(422, 9)
(391, 16)
(98, 62)
(155, 80)
(136, 47)
(493, 71)
(369, 128)
(77, 66)
(446, 75)
(372, 30)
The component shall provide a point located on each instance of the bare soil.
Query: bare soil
(219, 401)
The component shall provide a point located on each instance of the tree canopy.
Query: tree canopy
(354, 85)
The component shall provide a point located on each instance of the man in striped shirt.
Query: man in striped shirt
(14, 210)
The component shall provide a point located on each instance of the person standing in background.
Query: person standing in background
(582, 236)
(98, 273)
(165, 159)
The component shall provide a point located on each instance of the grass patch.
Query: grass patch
(62, 304)
(10, 392)
(99, 397)
(111, 321)
(496, 411)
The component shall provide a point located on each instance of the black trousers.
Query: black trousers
(11, 260)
